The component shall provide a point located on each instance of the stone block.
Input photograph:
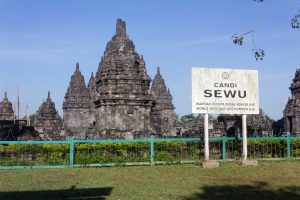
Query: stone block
(247, 162)
(210, 164)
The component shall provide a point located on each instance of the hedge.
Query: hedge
(108, 152)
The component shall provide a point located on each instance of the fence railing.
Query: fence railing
(150, 151)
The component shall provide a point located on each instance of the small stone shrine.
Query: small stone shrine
(162, 115)
(77, 106)
(291, 113)
(47, 122)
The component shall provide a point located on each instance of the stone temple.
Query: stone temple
(291, 113)
(162, 115)
(118, 99)
(47, 122)
(6, 109)
(77, 107)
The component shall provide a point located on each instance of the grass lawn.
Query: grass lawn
(270, 180)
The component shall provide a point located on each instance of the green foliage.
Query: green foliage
(34, 154)
(188, 118)
(164, 156)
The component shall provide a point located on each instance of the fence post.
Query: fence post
(224, 147)
(152, 150)
(71, 151)
(288, 142)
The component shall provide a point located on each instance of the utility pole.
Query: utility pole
(15, 107)
(27, 116)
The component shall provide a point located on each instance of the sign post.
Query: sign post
(244, 125)
(225, 91)
(206, 138)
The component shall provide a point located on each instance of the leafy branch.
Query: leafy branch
(239, 40)
(295, 20)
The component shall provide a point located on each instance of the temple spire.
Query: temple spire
(48, 96)
(77, 67)
(5, 93)
(121, 27)
(158, 70)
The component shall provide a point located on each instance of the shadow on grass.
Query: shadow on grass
(256, 191)
(71, 194)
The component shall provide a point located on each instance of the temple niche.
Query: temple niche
(47, 121)
(162, 115)
(78, 106)
(6, 109)
(291, 113)
(123, 103)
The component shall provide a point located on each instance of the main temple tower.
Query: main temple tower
(123, 103)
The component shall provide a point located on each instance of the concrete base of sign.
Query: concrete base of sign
(210, 164)
(247, 162)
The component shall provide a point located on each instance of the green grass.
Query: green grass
(270, 180)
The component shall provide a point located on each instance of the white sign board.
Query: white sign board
(225, 91)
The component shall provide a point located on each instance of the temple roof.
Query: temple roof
(6, 108)
(77, 84)
(295, 85)
(92, 83)
(47, 109)
(77, 94)
(294, 100)
(122, 72)
(161, 93)
(47, 120)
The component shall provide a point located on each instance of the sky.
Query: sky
(41, 41)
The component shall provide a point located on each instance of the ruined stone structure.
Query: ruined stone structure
(6, 109)
(291, 113)
(78, 114)
(47, 122)
(162, 115)
(257, 125)
(232, 125)
(123, 103)
(260, 124)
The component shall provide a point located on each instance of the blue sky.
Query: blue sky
(41, 41)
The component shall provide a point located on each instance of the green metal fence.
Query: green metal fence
(151, 151)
